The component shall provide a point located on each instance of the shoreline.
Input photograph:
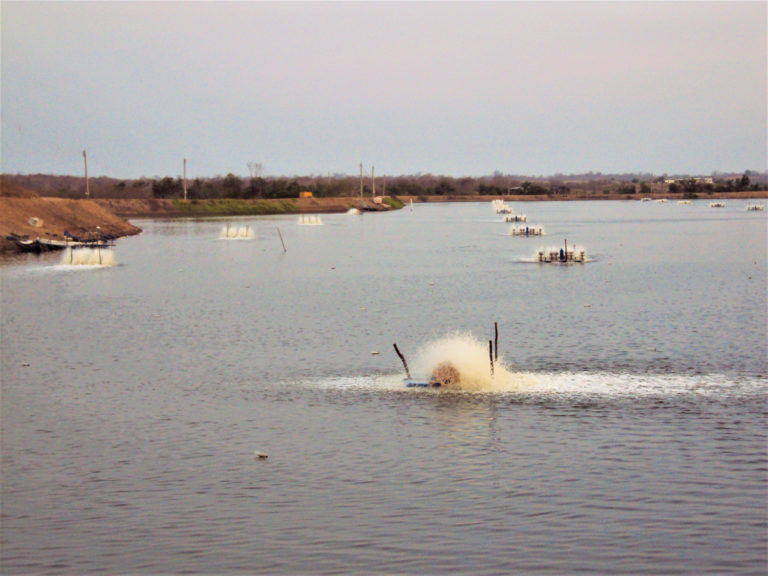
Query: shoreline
(167, 208)
(24, 213)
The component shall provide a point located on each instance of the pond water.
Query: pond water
(623, 430)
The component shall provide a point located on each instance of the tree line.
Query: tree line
(418, 185)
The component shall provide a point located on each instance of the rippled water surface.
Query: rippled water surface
(623, 430)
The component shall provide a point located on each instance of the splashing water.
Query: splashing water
(88, 257)
(309, 220)
(238, 232)
(471, 359)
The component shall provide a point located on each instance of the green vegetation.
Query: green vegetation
(393, 202)
(234, 207)
(422, 186)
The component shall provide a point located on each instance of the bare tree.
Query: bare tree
(255, 169)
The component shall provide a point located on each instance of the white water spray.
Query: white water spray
(471, 358)
(309, 220)
(88, 257)
(237, 232)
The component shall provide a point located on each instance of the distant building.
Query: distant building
(305, 194)
(698, 180)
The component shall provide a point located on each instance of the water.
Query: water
(623, 431)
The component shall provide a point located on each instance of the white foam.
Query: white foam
(237, 233)
(93, 257)
(472, 359)
(309, 220)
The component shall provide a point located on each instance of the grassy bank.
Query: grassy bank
(233, 207)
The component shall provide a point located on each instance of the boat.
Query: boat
(755, 208)
(562, 256)
(683, 201)
(38, 244)
(717, 204)
(515, 218)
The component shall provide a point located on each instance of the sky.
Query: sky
(531, 88)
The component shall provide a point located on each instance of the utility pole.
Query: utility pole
(373, 184)
(185, 179)
(87, 190)
(361, 181)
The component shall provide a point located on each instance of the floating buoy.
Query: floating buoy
(374, 352)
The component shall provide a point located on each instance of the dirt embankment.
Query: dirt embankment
(23, 212)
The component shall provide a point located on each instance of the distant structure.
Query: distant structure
(87, 190)
(305, 194)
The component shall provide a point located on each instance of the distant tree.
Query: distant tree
(232, 186)
(743, 183)
(490, 190)
(403, 187)
(690, 185)
(533, 189)
(627, 189)
(443, 188)
(282, 188)
(167, 188)
(256, 185)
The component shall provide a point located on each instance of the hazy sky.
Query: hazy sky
(462, 89)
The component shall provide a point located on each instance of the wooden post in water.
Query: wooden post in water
(496, 341)
(281, 240)
(490, 353)
(402, 359)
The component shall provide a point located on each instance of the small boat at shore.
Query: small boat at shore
(717, 204)
(755, 208)
(42, 244)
